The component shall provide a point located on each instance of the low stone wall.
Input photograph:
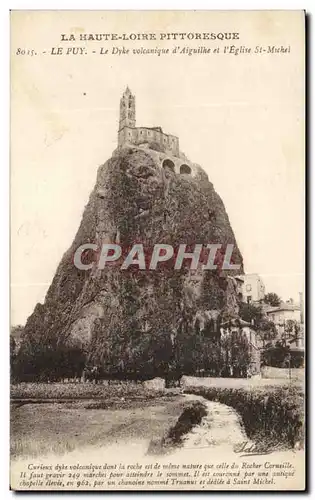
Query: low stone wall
(237, 383)
(284, 373)
(155, 384)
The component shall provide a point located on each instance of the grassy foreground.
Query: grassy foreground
(62, 418)
(57, 418)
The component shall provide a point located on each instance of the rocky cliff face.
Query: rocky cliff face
(123, 318)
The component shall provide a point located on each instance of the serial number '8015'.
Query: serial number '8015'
(25, 52)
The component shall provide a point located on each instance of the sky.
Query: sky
(240, 117)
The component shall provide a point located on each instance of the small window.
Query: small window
(248, 288)
(185, 169)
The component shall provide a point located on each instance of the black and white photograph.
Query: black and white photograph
(158, 335)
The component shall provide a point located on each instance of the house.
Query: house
(252, 287)
(239, 329)
(284, 317)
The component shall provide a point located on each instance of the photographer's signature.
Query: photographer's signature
(248, 448)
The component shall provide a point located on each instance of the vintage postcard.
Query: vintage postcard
(157, 250)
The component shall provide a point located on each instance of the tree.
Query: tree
(292, 331)
(212, 357)
(251, 313)
(272, 299)
(276, 355)
(267, 330)
(49, 360)
(292, 328)
(235, 354)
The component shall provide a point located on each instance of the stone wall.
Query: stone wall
(128, 135)
(282, 373)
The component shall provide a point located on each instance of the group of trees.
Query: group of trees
(272, 299)
(145, 355)
(276, 348)
(253, 314)
(135, 354)
(45, 361)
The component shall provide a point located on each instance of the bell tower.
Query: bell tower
(127, 111)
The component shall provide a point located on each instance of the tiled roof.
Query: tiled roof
(238, 322)
(284, 306)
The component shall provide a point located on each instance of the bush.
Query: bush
(190, 417)
(60, 391)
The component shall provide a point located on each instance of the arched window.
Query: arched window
(185, 169)
(169, 164)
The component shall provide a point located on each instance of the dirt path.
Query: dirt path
(221, 427)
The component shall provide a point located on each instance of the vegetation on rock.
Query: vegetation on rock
(131, 323)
